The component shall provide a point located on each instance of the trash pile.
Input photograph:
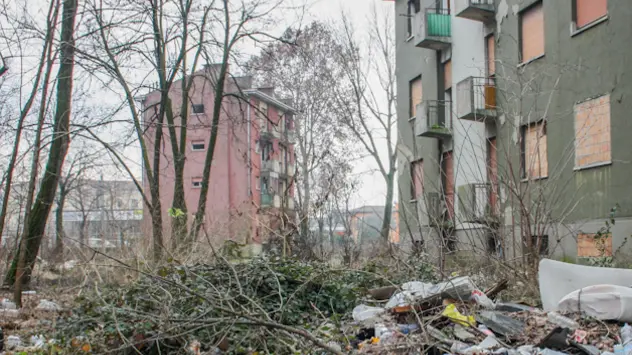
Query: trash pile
(456, 317)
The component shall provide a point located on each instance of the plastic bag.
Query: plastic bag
(600, 301)
(454, 315)
(363, 312)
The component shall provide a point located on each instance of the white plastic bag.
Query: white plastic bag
(363, 312)
(600, 301)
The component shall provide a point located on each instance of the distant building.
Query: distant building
(96, 212)
(102, 213)
(366, 223)
(251, 179)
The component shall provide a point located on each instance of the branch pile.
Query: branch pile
(266, 305)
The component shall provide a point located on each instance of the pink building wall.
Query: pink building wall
(232, 208)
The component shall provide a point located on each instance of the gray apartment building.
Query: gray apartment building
(513, 126)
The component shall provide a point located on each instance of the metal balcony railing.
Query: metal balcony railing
(434, 119)
(433, 28)
(476, 98)
(477, 10)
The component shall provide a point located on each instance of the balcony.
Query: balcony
(476, 99)
(434, 119)
(433, 29)
(289, 203)
(475, 203)
(290, 136)
(270, 200)
(271, 166)
(477, 10)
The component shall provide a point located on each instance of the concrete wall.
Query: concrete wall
(468, 141)
(576, 66)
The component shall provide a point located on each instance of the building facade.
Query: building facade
(251, 179)
(533, 160)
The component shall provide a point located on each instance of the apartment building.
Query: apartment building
(534, 157)
(442, 80)
(251, 180)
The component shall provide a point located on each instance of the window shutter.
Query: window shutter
(491, 56)
(416, 95)
(447, 74)
(532, 32)
(587, 11)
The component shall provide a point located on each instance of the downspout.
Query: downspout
(249, 152)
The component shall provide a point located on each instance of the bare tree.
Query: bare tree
(369, 102)
(301, 68)
(35, 222)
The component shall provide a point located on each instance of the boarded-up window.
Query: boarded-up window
(532, 32)
(447, 74)
(592, 245)
(416, 95)
(534, 154)
(592, 132)
(417, 177)
(492, 174)
(491, 55)
(588, 11)
(448, 182)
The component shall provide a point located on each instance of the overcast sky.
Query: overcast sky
(373, 188)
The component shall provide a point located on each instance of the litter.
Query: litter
(562, 321)
(500, 323)
(364, 313)
(45, 305)
(600, 301)
(557, 279)
(454, 315)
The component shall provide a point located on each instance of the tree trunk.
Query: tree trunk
(22, 266)
(388, 208)
(58, 252)
(217, 107)
(25, 110)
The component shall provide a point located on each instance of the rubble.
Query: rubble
(459, 318)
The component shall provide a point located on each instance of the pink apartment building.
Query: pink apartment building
(251, 181)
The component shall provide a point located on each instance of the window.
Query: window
(266, 151)
(133, 203)
(447, 74)
(594, 245)
(198, 108)
(196, 182)
(534, 151)
(197, 145)
(586, 12)
(417, 178)
(490, 49)
(416, 95)
(592, 132)
(532, 33)
(448, 182)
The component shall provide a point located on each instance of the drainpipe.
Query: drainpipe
(249, 152)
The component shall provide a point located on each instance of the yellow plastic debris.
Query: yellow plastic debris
(375, 340)
(454, 315)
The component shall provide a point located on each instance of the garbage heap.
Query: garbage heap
(456, 317)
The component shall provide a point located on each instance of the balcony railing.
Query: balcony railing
(476, 99)
(270, 200)
(290, 136)
(270, 166)
(477, 10)
(434, 119)
(475, 203)
(433, 28)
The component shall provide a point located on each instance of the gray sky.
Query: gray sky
(373, 189)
